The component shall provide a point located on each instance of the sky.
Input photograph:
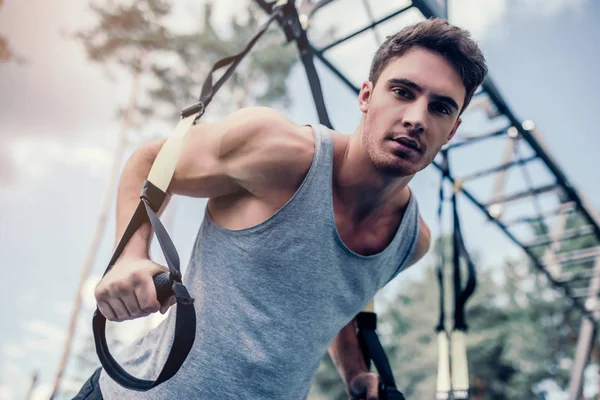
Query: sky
(58, 132)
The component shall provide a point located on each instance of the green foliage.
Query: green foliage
(126, 31)
(137, 37)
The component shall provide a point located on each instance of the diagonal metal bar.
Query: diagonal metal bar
(564, 208)
(366, 28)
(369, 11)
(578, 255)
(476, 139)
(333, 69)
(524, 194)
(569, 234)
(499, 168)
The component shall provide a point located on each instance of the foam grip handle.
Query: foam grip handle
(460, 370)
(443, 376)
(163, 285)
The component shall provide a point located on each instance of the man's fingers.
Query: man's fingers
(119, 309)
(365, 386)
(373, 389)
(107, 311)
(128, 292)
(145, 293)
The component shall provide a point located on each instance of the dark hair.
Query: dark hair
(437, 35)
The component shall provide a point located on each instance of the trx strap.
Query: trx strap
(152, 197)
(366, 320)
(453, 373)
(296, 31)
(372, 350)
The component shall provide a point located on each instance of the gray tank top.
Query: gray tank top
(269, 299)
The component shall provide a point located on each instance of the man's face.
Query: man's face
(411, 112)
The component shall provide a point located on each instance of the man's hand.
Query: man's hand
(127, 290)
(364, 386)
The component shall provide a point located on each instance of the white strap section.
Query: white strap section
(443, 376)
(460, 370)
(164, 165)
(370, 307)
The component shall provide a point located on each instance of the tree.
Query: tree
(260, 79)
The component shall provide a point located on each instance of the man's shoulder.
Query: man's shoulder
(270, 125)
(276, 152)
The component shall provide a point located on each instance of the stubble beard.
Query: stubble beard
(387, 164)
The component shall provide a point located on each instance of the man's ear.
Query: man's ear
(453, 131)
(364, 96)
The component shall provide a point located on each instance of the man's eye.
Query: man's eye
(441, 109)
(402, 93)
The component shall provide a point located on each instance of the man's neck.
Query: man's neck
(364, 191)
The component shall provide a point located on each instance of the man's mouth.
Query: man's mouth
(407, 142)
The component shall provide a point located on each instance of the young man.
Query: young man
(303, 227)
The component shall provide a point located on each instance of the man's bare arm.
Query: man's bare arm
(252, 148)
(346, 354)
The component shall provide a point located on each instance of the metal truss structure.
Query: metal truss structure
(543, 211)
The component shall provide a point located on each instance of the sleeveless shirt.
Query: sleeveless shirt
(269, 299)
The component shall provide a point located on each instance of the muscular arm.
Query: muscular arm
(249, 152)
(345, 350)
(345, 353)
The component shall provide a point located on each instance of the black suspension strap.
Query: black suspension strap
(295, 31)
(151, 199)
(372, 350)
(455, 347)
(366, 321)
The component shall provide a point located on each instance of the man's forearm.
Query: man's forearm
(134, 174)
(346, 353)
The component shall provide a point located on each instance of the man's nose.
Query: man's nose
(415, 115)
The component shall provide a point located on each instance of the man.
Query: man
(302, 228)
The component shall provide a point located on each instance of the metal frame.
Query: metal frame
(569, 198)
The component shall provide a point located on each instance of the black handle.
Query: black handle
(163, 285)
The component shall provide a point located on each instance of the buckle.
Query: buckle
(175, 275)
(193, 109)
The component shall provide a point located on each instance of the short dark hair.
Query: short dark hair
(439, 36)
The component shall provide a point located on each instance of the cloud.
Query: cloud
(33, 159)
(62, 309)
(12, 351)
(42, 335)
(478, 17)
(483, 18)
(13, 380)
(553, 7)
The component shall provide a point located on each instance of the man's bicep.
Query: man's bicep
(214, 153)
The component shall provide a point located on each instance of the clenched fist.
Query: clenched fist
(364, 385)
(127, 291)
